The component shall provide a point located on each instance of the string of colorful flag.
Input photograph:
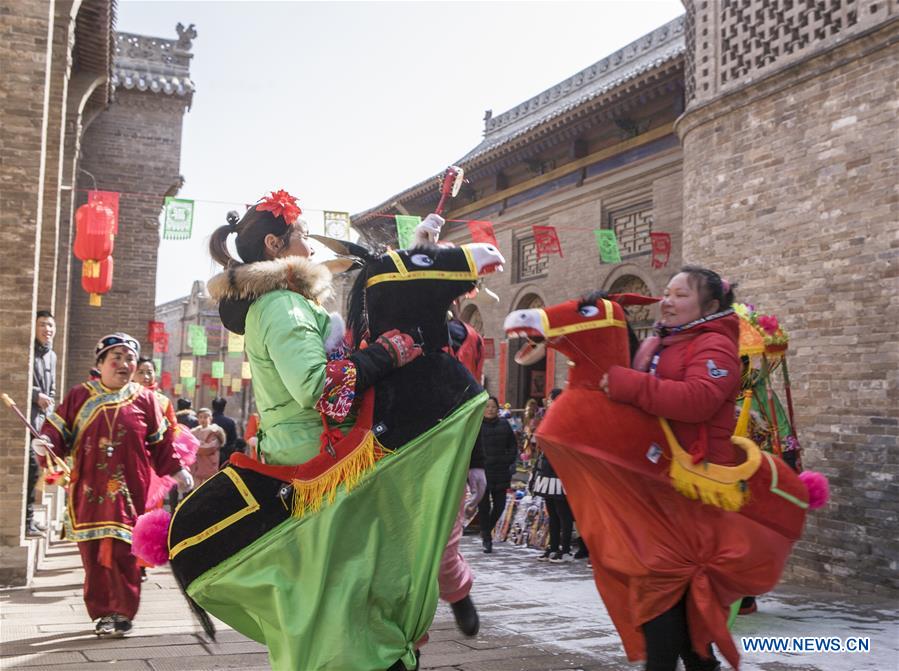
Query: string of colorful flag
(546, 239)
(178, 213)
(179, 217)
(197, 341)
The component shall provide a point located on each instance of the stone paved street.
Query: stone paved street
(535, 617)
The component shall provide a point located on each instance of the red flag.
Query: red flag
(111, 200)
(489, 348)
(661, 249)
(154, 330)
(161, 344)
(503, 356)
(550, 373)
(547, 241)
(482, 231)
(166, 380)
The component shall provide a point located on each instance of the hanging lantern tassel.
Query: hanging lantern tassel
(101, 284)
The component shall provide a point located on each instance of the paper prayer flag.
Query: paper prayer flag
(405, 229)
(608, 246)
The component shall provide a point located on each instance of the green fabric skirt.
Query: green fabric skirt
(353, 586)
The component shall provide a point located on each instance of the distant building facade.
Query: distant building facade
(200, 310)
(83, 107)
(762, 137)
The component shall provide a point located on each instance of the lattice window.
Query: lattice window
(527, 265)
(640, 317)
(757, 33)
(632, 227)
(690, 55)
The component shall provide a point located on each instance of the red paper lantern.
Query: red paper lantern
(95, 227)
(96, 286)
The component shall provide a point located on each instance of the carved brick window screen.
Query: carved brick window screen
(632, 227)
(690, 55)
(757, 33)
(527, 265)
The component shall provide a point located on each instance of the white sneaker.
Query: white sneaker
(561, 558)
(105, 627)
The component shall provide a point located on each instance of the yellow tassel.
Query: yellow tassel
(742, 428)
(308, 495)
(96, 300)
(724, 487)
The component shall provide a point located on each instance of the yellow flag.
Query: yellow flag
(187, 367)
(235, 342)
(235, 384)
(177, 389)
(245, 371)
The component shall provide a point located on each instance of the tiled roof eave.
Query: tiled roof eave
(150, 83)
(484, 154)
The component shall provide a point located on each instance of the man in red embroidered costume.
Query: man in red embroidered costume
(112, 432)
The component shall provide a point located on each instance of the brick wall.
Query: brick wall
(790, 187)
(24, 62)
(576, 212)
(134, 148)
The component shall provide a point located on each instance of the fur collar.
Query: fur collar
(249, 281)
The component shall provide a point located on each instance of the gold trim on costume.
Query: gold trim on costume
(720, 486)
(251, 507)
(404, 274)
(608, 320)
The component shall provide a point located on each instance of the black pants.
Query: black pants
(490, 508)
(34, 471)
(667, 639)
(561, 522)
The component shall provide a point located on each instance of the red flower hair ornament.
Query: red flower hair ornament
(281, 204)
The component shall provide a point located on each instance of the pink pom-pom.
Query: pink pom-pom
(818, 488)
(149, 540)
(159, 489)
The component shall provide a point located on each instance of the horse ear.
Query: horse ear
(344, 247)
(634, 299)
(341, 265)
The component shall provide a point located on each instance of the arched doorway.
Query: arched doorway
(526, 381)
(471, 315)
(640, 317)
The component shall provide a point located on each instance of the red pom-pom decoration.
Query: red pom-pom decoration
(281, 204)
(818, 488)
(149, 539)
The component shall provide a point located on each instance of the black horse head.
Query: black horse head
(412, 289)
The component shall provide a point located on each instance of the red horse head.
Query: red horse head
(592, 332)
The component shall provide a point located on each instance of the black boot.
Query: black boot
(466, 616)
(399, 666)
(488, 546)
(693, 662)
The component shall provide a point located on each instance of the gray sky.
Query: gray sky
(347, 103)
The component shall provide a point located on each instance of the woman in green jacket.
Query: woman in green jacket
(273, 296)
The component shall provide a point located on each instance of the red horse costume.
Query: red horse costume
(659, 523)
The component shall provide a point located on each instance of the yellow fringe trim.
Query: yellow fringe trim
(724, 487)
(308, 495)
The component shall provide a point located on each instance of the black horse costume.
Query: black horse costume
(349, 580)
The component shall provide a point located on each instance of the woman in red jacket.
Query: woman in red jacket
(688, 373)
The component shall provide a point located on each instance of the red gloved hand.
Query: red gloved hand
(400, 346)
